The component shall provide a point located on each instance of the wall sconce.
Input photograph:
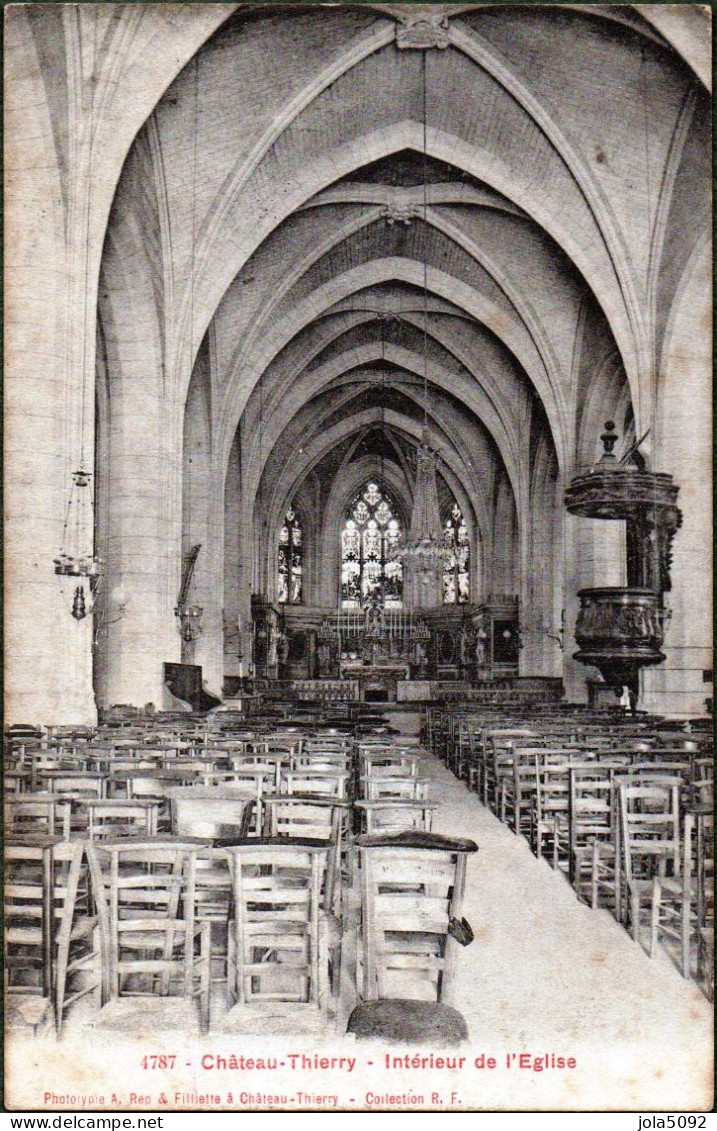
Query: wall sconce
(108, 612)
(189, 621)
(559, 635)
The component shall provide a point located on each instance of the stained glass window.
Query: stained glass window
(371, 531)
(456, 572)
(290, 561)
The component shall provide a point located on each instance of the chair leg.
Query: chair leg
(594, 877)
(60, 980)
(686, 935)
(635, 915)
(232, 968)
(205, 949)
(655, 917)
(72, 881)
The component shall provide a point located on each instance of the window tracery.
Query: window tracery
(370, 533)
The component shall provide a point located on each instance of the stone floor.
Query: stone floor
(546, 976)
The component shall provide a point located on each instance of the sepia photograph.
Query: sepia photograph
(358, 558)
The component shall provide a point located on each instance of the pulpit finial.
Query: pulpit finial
(609, 439)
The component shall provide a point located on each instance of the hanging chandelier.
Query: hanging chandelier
(424, 550)
(75, 560)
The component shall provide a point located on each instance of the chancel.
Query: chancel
(357, 394)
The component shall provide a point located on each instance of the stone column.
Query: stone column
(49, 406)
(683, 449)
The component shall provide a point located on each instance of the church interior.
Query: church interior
(358, 445)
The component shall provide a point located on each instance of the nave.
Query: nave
(356, 363)
(545, 974)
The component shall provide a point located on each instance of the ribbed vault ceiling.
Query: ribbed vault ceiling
(279, 205)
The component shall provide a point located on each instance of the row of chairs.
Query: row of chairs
(624, 811)
(143, 928)
(147, 918)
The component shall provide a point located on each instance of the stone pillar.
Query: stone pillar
(48, 668)
(144, 549)
(233, 640)
(683, 449)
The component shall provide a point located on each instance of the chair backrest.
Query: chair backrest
(108, 819)
(322, 784)
(553, 783)
(28, 814)
(302, 817)
(408, 788)
(276, 928)
(60, 781)
(388, 765)
(42, 882)
(294, 815)
(28, 918)
(702, 779)
(395, 814)
(412, 886)
(308, 757)
(144, 891)
(211, 812)
(649, 824)
(592, 810)
(255, 779)
(328, 745)
(155, 783)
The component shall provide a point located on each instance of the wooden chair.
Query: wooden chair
(702, 779)
(152, 944)
(412, 886)
(591, 814)
(48, 932)
(518, 790)
(320, 819)
(649, 838)
(316, 761)
(89, 783)
(683, 902)
(704, 877)
(388, 763)
(674, 912)
(279, 946)
(550, 817)
(497, 757)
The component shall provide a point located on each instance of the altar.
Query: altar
(376, 681)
